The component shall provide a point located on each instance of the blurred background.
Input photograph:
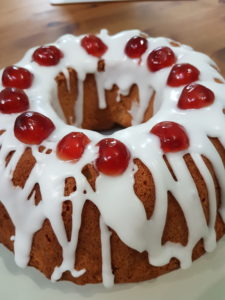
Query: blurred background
(28, 23)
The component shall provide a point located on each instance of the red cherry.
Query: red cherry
(173, 137)
(93, 45)
(72, 146)
(113, 157)
(195, 96)
(47, 56)
(32, 128)
(182, 74)
(13, 100)
(17, 77)
(136, 46)
(160, 58)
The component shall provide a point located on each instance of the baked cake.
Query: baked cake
(84, 205)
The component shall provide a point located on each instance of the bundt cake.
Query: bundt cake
(87, 205)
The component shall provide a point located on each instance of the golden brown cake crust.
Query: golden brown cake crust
(128, 265)
(95, 118)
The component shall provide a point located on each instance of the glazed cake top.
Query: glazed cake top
(121, 210)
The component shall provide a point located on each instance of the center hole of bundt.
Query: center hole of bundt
(80, 103)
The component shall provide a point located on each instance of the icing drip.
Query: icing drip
(123, 211)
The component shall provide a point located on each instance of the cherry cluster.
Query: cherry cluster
(113, 156)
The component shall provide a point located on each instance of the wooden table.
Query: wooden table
(27, 23)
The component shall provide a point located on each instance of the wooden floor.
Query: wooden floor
(27, 23)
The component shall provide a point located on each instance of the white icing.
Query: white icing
(120, 209)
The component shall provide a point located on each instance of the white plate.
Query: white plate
(205, 280)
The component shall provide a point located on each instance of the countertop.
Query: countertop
(27, 23)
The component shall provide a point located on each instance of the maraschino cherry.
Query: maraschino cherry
(160, 58)
(182, 74)
(17, 77)
(93, 45)
(72, 146)
(32, 128)
(195, 96)
(13, 100)
(113, 157)
(173, 137)
(136, 46)
(47, 56)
